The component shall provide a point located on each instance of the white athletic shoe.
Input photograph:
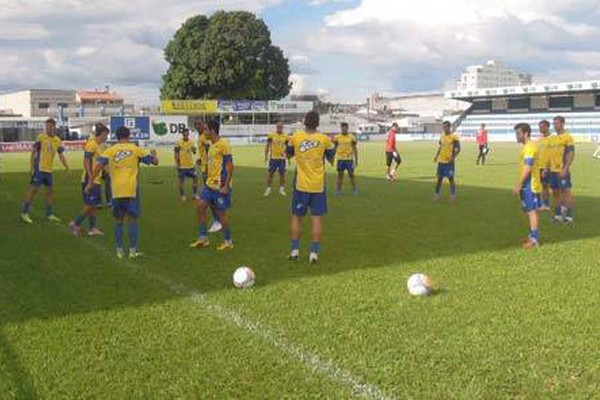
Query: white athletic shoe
(558, 219)
(120, 253)
(313, 258)
(95, 232)
(569, 220)
(294, 255)
(267, 192)
(282, 191)
(215, 227)
(183, 199)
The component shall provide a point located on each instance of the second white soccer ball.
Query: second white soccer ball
(244, 278)
(419, 285)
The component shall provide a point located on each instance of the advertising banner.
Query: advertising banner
(167, 130)
(139, 126)
(290, 106)
(186, 107)
(25, 147)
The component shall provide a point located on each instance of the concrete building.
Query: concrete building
(426, 104)
(493, 74)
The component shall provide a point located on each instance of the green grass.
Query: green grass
(505, 323)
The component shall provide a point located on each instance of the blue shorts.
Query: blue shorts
(277, 166)
(303, 201)
(187, 173)
(42, 179)
(126, 207)
(545, 179)
(445, 170)
(94, 197)
(530, 201)
(345, 165)
(217, 199)
(558, 183)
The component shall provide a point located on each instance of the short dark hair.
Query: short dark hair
(186, 130)
(344, 125)
(214, 125)
(51, 121)
(446, 123)
(523, 127)
(99, 129)
(559, 118)
(312, 120)
(395, 124)
(123, 133)
(544, 122)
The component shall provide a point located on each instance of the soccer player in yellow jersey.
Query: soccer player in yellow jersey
(276, 157)
(545, 148)
(122, 160)
(46, 146)
(563, 155)
(446, 155)
(203, 147)
(92, 200)
(184, 161)
(529, 185)
(217, 191)
(347, 158)
(310, 148)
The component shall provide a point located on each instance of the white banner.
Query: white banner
(167, 130)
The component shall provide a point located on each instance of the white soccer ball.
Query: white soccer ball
(419, 285)
(243, 278)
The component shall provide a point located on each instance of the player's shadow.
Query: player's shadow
(45, 273)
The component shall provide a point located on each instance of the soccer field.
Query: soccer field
(504, 322)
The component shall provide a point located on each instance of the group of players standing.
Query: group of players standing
(545, 167)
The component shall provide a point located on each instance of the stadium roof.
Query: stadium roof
(541, 89)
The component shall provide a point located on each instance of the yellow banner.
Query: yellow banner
(189, 106)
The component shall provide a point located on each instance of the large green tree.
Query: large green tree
(226, 56)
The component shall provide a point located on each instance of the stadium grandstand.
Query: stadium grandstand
(501, 108)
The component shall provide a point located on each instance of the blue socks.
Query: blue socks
(202, 231)
(26, 207)
(133, 234)
(119, 234)
(535, 235)
(227, 235)
(48, 210)
(295, 244)
(315, 247)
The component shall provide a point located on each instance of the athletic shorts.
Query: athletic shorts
(277, 166)
(545, 177)
(530, 201)
(217, 200)
(445, 170)
(187, 173)
(345, 165)
(392, 156)
(42, 179)
(559, 183)
(128, 206)
(303, 201)
(483, 149)
(94, 197)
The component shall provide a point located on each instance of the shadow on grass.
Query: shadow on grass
(46, 273)
(23, 384)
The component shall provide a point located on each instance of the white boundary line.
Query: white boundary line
(310, 359)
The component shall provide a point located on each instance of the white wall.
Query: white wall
(18, 102)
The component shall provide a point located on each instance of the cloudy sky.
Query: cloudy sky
(346, 49)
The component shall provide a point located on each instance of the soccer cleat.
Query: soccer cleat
(313, 258)
(120, 253)
(196, 197)
(183, 199)
(545, 208)
(75, 229)
(436, 197)
(569, 220)
(559, 219)
(133, 254)
(225, 246)
(215, 227)
(95, 232)
(200, 244)
(26, 218)
(282, 191)
(531, 244)
(294, 255)
(53, 218)
(267, 192)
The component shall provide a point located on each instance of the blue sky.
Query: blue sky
(344, 49)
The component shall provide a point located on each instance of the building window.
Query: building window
(63, 105)
(43, 106)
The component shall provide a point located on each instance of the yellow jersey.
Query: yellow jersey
(530, 156)
(278, 143)
(203, 146)
(219, 154)
(186, 150)
(47, 146)
(447, 145)
(345, 145)
(92, 151)
(560, 144)
(123, 161)
(545, 145)
(310, 150)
